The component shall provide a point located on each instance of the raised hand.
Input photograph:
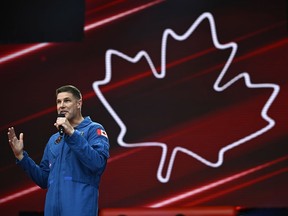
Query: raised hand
(16, 144)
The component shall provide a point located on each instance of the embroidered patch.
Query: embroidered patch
(58, 140)
(102, 133)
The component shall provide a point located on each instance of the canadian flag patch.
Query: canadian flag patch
(102, 133)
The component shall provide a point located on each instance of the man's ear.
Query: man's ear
(79, 103)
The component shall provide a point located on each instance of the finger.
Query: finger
(10, 141)
(56, 125)
(11, 132)
(21, 137)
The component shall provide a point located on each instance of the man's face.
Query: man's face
(68, 105)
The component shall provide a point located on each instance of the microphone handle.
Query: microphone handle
(61, 128)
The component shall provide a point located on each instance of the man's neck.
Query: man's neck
(77, 121)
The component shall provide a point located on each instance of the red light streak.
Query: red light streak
(104, 7)
(215, 184)
(246, 184)
(120, 15)
(28, 118)
(23, 52)
(19, 194)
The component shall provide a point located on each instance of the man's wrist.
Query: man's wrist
(20, 156)
(70, 133)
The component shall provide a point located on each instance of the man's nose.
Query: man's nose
(62, 104)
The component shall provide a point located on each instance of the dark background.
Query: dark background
(182, 109)
(33, 21)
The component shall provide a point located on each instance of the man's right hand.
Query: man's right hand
(16, 144)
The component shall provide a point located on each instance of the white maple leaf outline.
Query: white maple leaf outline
(216, 86)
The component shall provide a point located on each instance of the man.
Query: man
(72, 163)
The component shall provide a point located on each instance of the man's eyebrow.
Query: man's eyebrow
(66, 98)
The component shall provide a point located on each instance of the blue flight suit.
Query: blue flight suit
(70, 169)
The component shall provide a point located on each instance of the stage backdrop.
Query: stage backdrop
(193, 96)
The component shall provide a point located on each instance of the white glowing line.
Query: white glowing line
(162, 73)
(19, 194)
(86, 28)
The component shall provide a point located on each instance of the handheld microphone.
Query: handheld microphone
(61, 128)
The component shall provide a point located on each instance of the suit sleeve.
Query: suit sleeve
(38, 173)
(92, 151)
